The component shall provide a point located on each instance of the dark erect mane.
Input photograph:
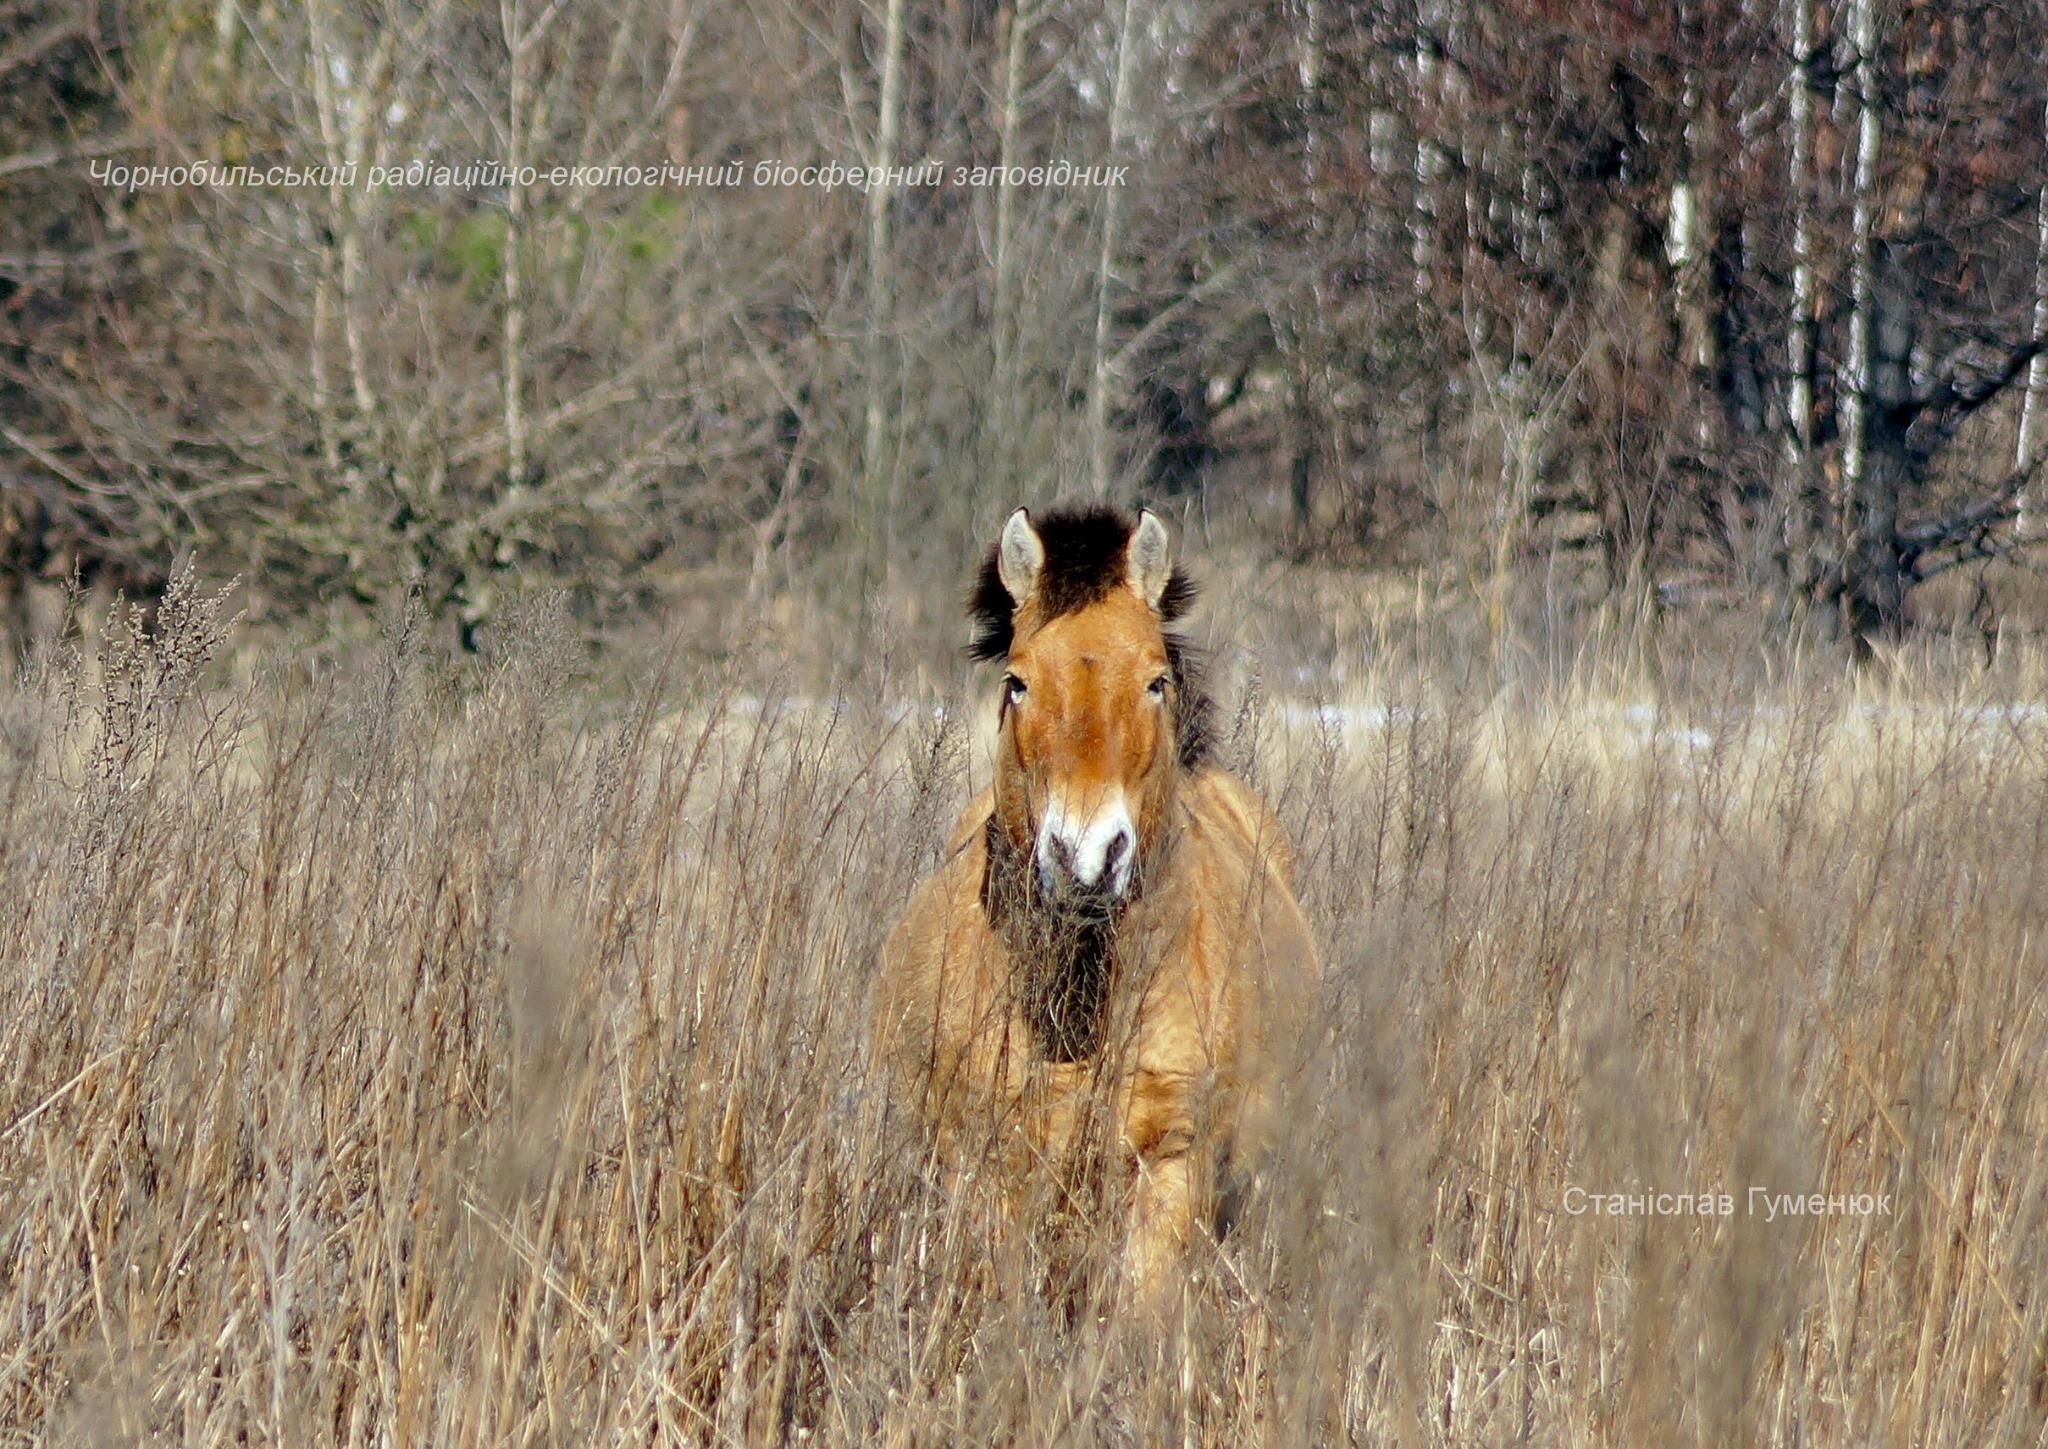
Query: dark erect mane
(1084, 560)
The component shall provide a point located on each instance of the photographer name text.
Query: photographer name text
(1762, 1202)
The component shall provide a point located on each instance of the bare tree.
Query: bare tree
(878, 473)
(1872, 589)
(1398, 267)
(2028, 522)
(1799, 439)
(1100, 376)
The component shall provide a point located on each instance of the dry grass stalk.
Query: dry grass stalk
(385, 1058)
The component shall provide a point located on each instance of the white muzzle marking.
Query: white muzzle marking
(1087, 855)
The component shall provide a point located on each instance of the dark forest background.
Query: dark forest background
(1729, 305)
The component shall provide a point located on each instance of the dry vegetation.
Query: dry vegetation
(401, 1056)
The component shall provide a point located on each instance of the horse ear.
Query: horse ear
(1150, 559)
(1019, 557)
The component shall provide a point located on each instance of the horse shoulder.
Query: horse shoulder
(936, 962)
(1244, 875)
(1229, 804)
(1250, 970)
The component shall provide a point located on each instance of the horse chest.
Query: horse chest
(1154, 1067)
(1151, 1107)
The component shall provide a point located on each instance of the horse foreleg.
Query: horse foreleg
(1162, 1221)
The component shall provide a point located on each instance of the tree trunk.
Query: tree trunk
(1804, 523)
(1875, 463)
(1312, 438)
(2029, 522)
(516, 42)
(1799, 331)
(1013, 26)
(878, 525)
(1100, 372)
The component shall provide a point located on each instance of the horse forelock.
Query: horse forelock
(1085, 561)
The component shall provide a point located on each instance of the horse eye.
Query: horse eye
(1157, 688)
(1015, 686)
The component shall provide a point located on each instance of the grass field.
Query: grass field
(401, 1055)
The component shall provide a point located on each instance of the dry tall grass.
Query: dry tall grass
(386, 1059)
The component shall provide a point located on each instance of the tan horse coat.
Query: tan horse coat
(1210, 971)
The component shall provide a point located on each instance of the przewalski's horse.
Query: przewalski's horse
(1113, 937)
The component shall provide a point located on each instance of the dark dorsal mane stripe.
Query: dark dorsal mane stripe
(1085, 559)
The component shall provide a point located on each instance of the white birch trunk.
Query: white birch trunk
(1430, 165)
(227, 34)
(1802, 523)
(516, 42)
(1017, 20)
(1422, 217)
(1687, 242)
(345, 126)
(2029, 522)
(1308, 57)
(1799, 331)
(1876, 467)
(1312, 336)
(1862, 282)
(320, 61)
(358, 204)
(1100, 370)
(881, 527)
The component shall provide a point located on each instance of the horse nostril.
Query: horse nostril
(1062, 856)
(1119, 847)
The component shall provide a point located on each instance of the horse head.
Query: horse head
(1099, 710)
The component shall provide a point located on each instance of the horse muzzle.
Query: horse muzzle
(1082, 859)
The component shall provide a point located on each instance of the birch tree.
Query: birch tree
(1737, 270)
(2029, 523)
(1013, 28)
(1101, 380)
(1867, 505)
(1929, 346)
(878, 470)
(1800, 314)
